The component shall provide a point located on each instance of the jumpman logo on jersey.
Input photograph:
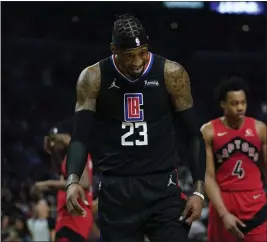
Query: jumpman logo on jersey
(113, 84)
(171, 182)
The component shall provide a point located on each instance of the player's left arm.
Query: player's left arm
(262, 131)
(61, 184)
(178, 84)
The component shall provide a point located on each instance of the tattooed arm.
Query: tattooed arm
(87, 88)
(87, 91)
(178, 84)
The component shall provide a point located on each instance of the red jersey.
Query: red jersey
(78, 224)
(236, 156)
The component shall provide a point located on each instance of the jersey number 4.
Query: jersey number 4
(142, 127)
(238, 170)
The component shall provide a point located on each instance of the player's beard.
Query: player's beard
(134, 74)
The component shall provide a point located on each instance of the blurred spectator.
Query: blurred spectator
(41, 225)
(22, 229)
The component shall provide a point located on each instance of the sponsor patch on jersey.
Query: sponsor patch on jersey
(151, 83)
(132, 107)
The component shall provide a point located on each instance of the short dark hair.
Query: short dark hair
(64, 127)
(231, 84)
(127, 26)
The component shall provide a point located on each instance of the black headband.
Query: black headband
(130, 42)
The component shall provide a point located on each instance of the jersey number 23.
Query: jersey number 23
(139, 128)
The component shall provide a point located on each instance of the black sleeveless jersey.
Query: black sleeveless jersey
(134, 131)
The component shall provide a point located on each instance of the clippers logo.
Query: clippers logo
(132, 110)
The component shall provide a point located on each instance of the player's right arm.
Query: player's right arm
(88, 86)
(212, 189)
(211, 186)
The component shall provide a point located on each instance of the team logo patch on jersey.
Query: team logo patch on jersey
(249, 132)
(132, 107)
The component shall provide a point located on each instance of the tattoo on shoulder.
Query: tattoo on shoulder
(178, 84)
(88, 86)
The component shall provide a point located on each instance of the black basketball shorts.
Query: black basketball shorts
(133, 206)
(65, 234)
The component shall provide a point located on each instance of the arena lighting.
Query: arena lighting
(245, 28)
(174, 25)
(75, 19)
(194, 5)
(249, 8)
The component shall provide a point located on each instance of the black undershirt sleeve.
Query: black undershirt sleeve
(80, 141)
(195, 143)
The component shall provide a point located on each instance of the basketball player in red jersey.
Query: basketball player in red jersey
(235, 146)
(68, 227)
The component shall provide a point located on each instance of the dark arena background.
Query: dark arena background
(45, 45)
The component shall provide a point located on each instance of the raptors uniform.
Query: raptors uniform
(135, 150)
(73, 228)
(237, 157)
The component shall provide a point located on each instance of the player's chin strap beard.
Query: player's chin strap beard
(126, 72)
(136, 75)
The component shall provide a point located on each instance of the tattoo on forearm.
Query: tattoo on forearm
(178, 84)
(88, 87)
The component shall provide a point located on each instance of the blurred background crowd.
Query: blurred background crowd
(45, 45)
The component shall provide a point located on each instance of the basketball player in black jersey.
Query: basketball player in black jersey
(128, 103)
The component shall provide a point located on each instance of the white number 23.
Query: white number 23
(142, 126)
